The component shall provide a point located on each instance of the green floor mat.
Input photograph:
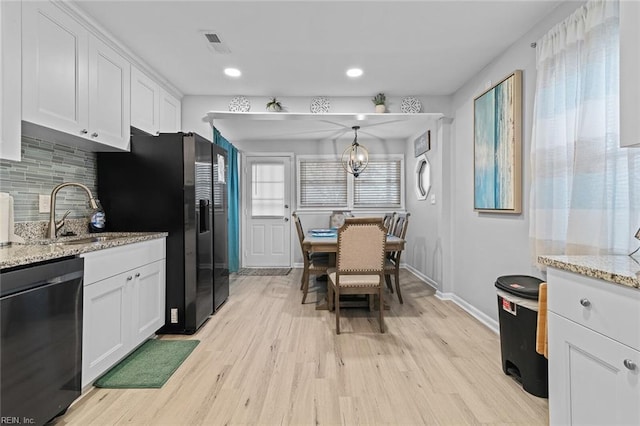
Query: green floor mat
(149, 366)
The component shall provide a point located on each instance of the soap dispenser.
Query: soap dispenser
(98, 219)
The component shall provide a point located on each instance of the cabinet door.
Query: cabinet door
(629, 71)
(10, 78)
(148, 300)
(145, 102)
(589, 382)
(105, 325)
(109, 95)
(170, 113)
(54, 53)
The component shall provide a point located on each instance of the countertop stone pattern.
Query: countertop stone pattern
(38, 229)
(623, 270)
(39, 250)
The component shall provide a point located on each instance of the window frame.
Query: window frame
(350, 184)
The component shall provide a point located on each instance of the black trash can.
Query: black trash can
(518, 315)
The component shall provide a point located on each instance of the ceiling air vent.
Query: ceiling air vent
(215, 43)
(213, 38)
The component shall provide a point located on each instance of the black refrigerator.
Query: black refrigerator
(166, 183)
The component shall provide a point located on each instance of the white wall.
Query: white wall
(428, 247)
(485, 246)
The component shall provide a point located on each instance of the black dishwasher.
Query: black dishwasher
(41, 340)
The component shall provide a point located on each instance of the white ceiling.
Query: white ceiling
(302, 48)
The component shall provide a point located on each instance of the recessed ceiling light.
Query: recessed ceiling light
(354, 72)
(232, 72)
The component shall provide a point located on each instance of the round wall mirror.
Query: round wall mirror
(422, 177)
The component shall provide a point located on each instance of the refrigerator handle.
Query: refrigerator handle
(205, 224)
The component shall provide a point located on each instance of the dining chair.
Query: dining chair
(359, 264)
(387, 221)
(314, 263)
(392, 262)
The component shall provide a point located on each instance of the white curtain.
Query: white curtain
(585, 192)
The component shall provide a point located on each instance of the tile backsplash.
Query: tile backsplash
(45, 165)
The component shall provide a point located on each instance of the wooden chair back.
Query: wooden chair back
(387, 221)
(299, 229)
(401, 224)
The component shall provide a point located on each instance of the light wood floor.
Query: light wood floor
(265, 358)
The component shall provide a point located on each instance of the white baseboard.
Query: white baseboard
(489, 322)
(423, 277)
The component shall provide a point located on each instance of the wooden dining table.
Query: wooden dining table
(329, 244)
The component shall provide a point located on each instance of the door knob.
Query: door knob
(94, 135)
(286, 206)
(585, 302)
(137, 274)
(84, 131)
(629, 364)
(129, 278)
(286, 219)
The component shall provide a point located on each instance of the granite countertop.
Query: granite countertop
(618, 269)
(38, 250)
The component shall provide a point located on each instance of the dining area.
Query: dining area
(354, 263)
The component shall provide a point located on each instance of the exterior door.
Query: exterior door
(267, 189)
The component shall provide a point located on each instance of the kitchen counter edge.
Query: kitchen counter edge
(25, 254)
(617, 269)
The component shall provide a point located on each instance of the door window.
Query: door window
(267, 190)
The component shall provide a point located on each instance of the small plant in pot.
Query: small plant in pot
(379, 101)
(274, 105)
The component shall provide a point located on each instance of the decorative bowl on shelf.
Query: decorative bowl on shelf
(410, 105)
(320, 105)
(239, 104)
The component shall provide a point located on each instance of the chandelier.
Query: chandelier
(356, 157)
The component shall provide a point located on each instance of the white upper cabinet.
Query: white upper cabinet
(72, 82)
(10, 77)
(629, 71)
(55, 69)
(109, 95)
(153, 109)
(145, 101)
(170, 113)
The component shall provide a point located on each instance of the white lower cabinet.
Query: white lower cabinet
(148, 300)
(594, 364)
(123, 309)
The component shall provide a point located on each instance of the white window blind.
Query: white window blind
(325, 183)
(322, 184)
(379, 185)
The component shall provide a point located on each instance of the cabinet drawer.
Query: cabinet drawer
(611, 309)
(106, 263)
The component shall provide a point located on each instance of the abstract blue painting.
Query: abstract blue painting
(497, 147)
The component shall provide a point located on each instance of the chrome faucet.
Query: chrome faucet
(54, 226)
